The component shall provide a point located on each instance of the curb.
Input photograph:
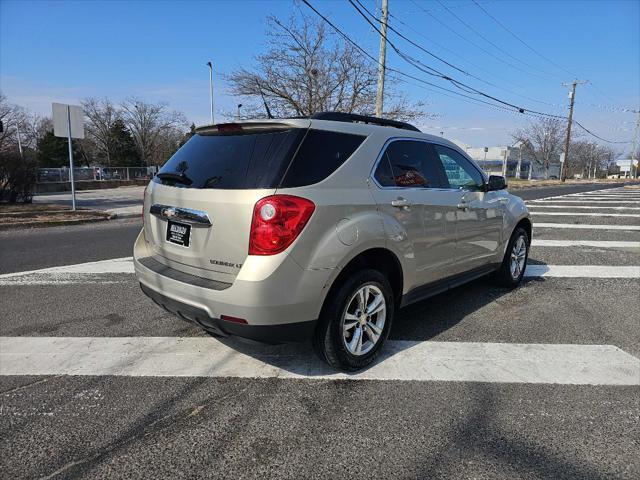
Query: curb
(58, 223)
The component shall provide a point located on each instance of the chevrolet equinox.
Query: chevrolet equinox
(321, 228)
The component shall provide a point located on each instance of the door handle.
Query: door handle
(401, 203)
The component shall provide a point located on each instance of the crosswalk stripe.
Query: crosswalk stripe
(98, 272)
(581, 202)
(584, 243)
(588, 214)
(605, 197)
(586, 227)
(114, 265)
(587, 207)
(582, 271)
(400, 360)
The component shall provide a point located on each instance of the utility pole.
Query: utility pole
(572, 95)
(382, 59)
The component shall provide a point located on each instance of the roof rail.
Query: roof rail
(355, 118)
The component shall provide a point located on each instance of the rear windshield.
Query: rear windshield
(258, 160)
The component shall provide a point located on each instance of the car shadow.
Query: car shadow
(419, 322)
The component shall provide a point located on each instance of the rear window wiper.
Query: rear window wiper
(175, 177)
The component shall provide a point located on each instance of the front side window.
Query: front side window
(407, 163)
(459, 172)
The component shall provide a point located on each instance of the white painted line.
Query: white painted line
(587, 207)
(70, 274)
(582, 271)
(401, 360)
(90, 272)
(607, 197)
(584, 243)
(588, 214)
(114, 265)
(586, 227)
(581, 202)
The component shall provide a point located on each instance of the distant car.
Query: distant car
(322, 228)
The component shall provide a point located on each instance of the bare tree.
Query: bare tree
(13, 118)
(151, 125)
(305, 70)
(542, 141)
(589, 158)
(100, 114)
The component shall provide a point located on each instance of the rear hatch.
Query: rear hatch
(199, 207)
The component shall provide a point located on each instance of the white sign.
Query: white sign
(61, 120)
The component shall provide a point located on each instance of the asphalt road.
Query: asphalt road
(106, 426)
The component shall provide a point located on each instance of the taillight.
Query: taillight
(277, 222)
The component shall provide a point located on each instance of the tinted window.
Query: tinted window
(459, 172)
(232, 161)
(320, 154)
(407, 163)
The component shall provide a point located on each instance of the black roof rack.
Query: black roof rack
(354, 118)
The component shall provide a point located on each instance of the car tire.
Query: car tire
(343, 327)
(514, 263)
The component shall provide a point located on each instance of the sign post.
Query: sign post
(68, 122)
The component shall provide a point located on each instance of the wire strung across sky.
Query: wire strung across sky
(504, 27)
(480, 79)
(433, 72)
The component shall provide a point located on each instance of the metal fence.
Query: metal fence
(49, 175)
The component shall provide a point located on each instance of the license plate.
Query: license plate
(178, 233)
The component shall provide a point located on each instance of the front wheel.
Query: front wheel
(515, 259)
(355, 321)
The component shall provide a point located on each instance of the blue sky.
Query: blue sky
(157, 50)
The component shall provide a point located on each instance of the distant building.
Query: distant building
(491, 160)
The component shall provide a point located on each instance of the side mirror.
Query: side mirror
(496, 182)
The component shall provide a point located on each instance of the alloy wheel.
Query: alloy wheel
(518, 257)
(363, 320)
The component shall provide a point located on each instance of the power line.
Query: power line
(430, 70)
(596, 136)
(425, 82)
(497, 47)
(485, 71)
(504, 27)
(474, 44)
(423, 49)
(433, 72)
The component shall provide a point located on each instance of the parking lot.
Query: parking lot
(479, 382)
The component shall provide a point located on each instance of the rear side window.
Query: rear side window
(239, 161)
(459, 172)
(321, 153)
(410, 164)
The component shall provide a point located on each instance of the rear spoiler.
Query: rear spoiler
(250, 127)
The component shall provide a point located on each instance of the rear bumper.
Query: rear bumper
(280, 303)
(279, 333)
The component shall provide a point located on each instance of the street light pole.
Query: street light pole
(211, 89)
(19, 141)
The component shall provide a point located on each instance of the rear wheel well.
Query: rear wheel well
(379, 259)
(525, 223)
